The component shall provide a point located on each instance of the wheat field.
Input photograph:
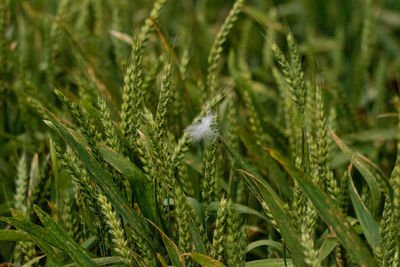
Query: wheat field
(238, 133)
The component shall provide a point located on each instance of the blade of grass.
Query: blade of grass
(265, 242)
(55, 166)
(101, 261)
(330, 214)
(270, 263)
(368, 224)
(369, 177)
(31, 228)
(197, 240)
(73, 249)
(33, 261)
(172, 249)
(241, 209)
(13, 235)
(38, 235)
(103, 180)
(326, 248)
(264, 192)
(141, 186)
(204, 260)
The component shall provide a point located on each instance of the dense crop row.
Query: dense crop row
(199, 133)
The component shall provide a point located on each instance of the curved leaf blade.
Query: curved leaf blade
(330, 214)
(360, 164)
(241, 209)
(102, 179)
(264, 192)
(265, 242)
(204, 260)
(326, 248)
(37, 233)
(270, 263)
(13, 235)
(101, 261)
(70, 246)
(367, 222)
(172, 249)
(141, 186)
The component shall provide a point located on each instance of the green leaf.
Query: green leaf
(199, 245)
(270, 263)
(265, 242)
(172, 250)
(103, 180)
(204, 260)
(142, 187)
(197, 207)
(13, 235)
(101, 261)
(241, 209)
(70, 246)
(276, 176)
(373, 135)
(38, 234)
(34, 177)
(264, 192)
(90, 109)
(368, 224)
(33, 261)
(326, 248)
(361, 165)
(197, 240)
(330, 214)
(32, 229)
(275, 135)
(90, 242)
(57, 183)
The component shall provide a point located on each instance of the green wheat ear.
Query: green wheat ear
(23, 251)
(218, 246)
(395, 183)
(116, 231)
(148, 24)
(163, 103)
(71, 219)
(21, 185)
(111, 135)
(254, 121)
(158, 127)
(210, 165)
(131, 108)
(293, 72)
(132, 98)
(81, 181)
(20, 201)
(236, 238)
(86, 124)
(387, 229)
(310, 253)
(217, 47)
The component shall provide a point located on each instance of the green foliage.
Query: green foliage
(199, 133)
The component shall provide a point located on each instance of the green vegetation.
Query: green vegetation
(199, 133)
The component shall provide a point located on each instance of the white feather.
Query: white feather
(204, 129)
